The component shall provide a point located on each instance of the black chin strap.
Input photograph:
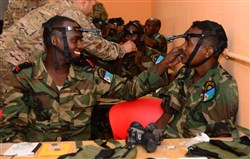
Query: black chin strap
(195, 50)
(66, 53)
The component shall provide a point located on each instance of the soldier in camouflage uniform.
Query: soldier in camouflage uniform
(204, 97)
(99, 11)
(140, 60)
(152, 36)
(18, 9)
(52, 99)
(23, 40)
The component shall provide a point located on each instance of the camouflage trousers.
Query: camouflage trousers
(5, 67)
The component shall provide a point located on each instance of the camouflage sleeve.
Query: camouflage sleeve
(140, 85)
(221, 115)
(18, 9)
(14, 112)
(23, 40)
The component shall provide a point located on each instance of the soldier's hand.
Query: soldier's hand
(171, 59)
(129, 46)
(174, 56)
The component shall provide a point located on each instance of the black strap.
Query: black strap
(101, 143)
(105, 153)
(224, 146)
(66, 47)
(245, 140)
(195, 50)
(195, 150)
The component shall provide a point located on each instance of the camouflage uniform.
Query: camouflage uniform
(35, 110)
(18, 9)
(99, 11)
(210, 105)
(23, 40)
(162, 43)
(130, 69)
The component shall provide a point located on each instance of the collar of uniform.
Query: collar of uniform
(208, 76)
(40, 72)
(76, 72)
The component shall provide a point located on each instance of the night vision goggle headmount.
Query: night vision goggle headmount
(65, 52)
(222, 44)
(188, 35)
(185, 35)
(80, 29)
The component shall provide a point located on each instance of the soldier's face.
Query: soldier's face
(74, 39)
(189, 45)
(132, 33)
(151, 27)
(85, 6)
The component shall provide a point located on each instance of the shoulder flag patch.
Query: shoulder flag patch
(209, 91)
(105, 75)
(157, 58)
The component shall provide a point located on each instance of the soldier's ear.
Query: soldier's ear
(54, 40)
(209, 51)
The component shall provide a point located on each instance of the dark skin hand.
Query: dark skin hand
(171, 59)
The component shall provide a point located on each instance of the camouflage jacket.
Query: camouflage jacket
(18, 9)
(23, 40)
(35, 110)
(162, 43)
(210, 105)
(130, 68)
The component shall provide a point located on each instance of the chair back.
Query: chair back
(143, 110)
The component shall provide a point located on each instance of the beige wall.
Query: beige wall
(129, 9)
(178, 15)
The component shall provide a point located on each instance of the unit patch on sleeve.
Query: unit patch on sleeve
(157, 58)
(208, 91)
(105, 75)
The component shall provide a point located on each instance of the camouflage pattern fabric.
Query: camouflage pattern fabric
(162, 43)
(210, 105)
(99, 11)
(129, 66)
(18, 9)
(35, 110)
(23, 40)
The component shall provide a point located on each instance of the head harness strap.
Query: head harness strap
(201, 36)
(65, 52)
(187, 35)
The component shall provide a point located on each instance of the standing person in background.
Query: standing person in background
(18, 9)
(23, 40)
(203, 98)
(99, 11)
(152, 36)
(52, 99)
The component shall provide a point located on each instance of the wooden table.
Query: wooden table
(169, 148)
